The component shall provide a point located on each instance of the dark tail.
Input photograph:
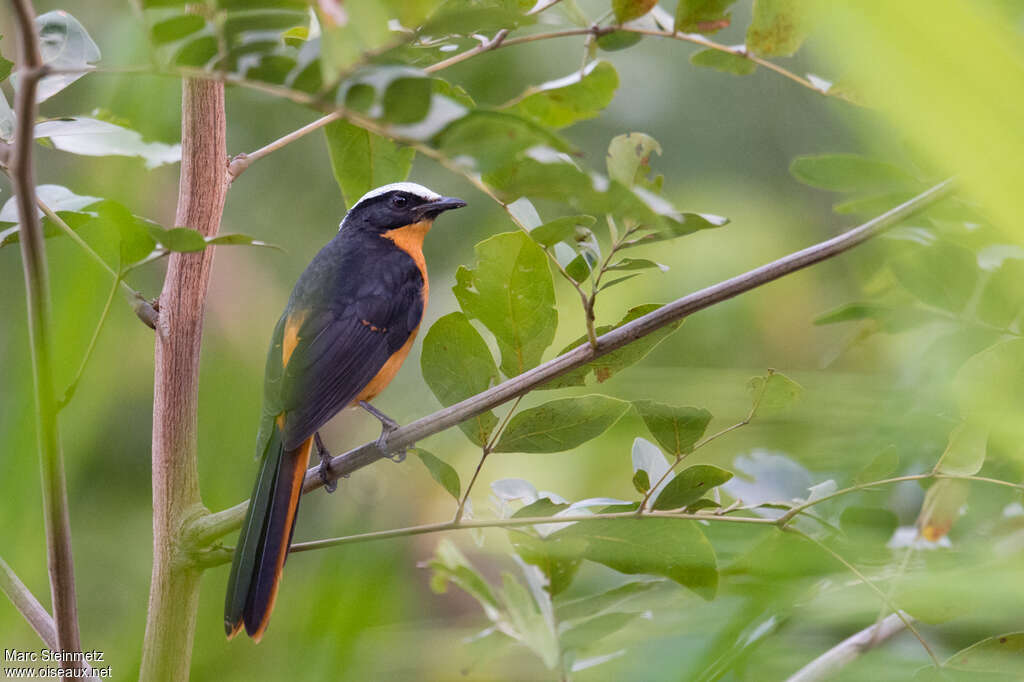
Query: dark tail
(266, 535)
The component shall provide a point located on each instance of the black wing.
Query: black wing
(343, 345)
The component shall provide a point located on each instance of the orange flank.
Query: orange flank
(291, 336)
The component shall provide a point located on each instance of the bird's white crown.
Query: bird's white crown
(410, 187)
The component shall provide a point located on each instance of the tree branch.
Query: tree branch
(207, 528)
(174, 586)
(37, 287)
(832, 661)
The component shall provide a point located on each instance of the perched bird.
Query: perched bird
(350, 322)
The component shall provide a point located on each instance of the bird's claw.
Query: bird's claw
(330, 485)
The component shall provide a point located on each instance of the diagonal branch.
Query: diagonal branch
(207, 528)
(827, 665)
(37, 288)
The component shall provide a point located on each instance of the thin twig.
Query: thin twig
(69, 392)
(872, 586)
(486, 450)
(826, 666)
(206, 528)
(242, 161)
(56, 517)
(492, 44)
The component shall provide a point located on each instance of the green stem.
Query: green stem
(73, 386)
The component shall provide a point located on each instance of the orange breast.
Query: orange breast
(387, 372)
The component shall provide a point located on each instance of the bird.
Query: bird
(349, 324)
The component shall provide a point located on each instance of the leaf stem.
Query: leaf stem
(487, 448)
(73, 386)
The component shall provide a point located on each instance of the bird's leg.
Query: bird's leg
(387, 425)
(325, 464)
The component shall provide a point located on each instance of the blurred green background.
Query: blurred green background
(365, 611)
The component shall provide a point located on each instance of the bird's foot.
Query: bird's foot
(325, 464)
(387, 425)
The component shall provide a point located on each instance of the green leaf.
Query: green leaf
(778, 27)
(592, 605)
(641, 481)
(456, 364)
(965, 452)
(676, 429)
(6, 119)
(890, 319)
(6, 65)
(629, 157)
(774, 392)
(534, 551)
(689, 485)
(92, 137)
(882, 466)
(849, 173)
(236, 239)
(941, 508)
(669, 547)
(180, 239)
(702, 16)
(579, 96)
(1002, 299)
(618, 40)
(628, 10)
(442, 472)
(589, 633)
(560, 229)
(940, 274)
(606, 366)
(64, 44)
(724, 61)
(362, 160)
(494, 138)
(619, 280)
(636, 264)
(680, 225)
(1001, 654)
(450, 566)
(561, 424)
(528, 621)
(511, 292)
(65, 203)
(648, 459)
(176, 28)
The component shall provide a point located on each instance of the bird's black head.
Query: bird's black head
(395, 206)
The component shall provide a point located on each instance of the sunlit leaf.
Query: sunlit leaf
(560, 229)
(965, 452)
(941, 274)
(778, 27)
(561, 424)
(676, 429)
(629, 157)
(612, 599)
(890, 318)
(176, 28)
(441, 471)
(689, 485)
(456, 364)
(93, 137)
(511, 292)
(528, 623)
(589, 633)
(773, 392)
(883, 465)
(64, 44)
(1001, 654)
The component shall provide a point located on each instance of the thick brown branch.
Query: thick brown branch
(174, 587)
(205, 529)
(37, 288)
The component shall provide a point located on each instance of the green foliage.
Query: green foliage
(457, 364)
(779, 27)
(676, 429)
(628, 10)
(442, 472)
(510, 291)
(560, 424)
(93, 137)
(723, 61)
(772, 393)
(577, 97)
(689, 485)
(363, 160)
(703, 16)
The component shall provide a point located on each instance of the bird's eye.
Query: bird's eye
(399, 201)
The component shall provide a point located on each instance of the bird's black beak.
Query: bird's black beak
(439, 206)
